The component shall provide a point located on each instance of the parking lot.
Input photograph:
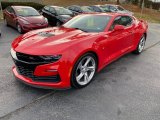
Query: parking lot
(127, 89)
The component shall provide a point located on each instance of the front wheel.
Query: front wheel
(141, 45)
(19, 28)
(84, 71)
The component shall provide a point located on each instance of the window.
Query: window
(10, 10)
(62, 11)
(121, 20)
(112, 8)
(105, 8)
(71, 8)
(46, 8)
(88, 23)
(52, 10)
(77, 9)
(27, 12)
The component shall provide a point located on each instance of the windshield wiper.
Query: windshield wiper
(81, 29)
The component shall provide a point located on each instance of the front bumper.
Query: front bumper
(27, 28)
(45, 85)
(43, 75)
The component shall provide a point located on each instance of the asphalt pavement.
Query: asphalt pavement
(128, 89)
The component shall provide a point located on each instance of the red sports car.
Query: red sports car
(70, 55)
(24, 18)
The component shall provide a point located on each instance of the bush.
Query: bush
(32, 4)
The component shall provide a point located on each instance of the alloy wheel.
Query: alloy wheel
(85, 70)
(141, 44)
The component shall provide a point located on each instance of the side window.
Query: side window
(70, 8)
(52, 10)
(77, 9)
(97, 9)
(122, 20)
(91, 8)
(10, 10)
(112, 8)
(126, 20)
(46, 8)
(117, 21)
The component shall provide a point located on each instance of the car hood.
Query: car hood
(33, 19)
(49, 41)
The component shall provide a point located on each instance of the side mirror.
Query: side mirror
(118, 27)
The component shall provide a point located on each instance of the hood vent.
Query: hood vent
(46, 34)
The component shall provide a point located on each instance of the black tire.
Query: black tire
(19, 28)
(74, 82)
(138, 50)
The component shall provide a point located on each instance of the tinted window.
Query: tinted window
(52, 10)
(77, 9)
(70, 8)
(105, 8)
(112, 8)
(89, 23)
(86, 9)
(122, 20)
(96, 9)
(10, 9)
(62, 11)
(46, 8)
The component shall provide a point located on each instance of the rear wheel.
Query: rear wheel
(141, 45)
(84, 71)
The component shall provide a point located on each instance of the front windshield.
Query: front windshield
(89, 23)
(120, 8)
(26, 12)
(63, 11)
(86, 9)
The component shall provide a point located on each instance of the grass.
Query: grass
(148, 14)
(1, 17)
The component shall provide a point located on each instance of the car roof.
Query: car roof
(109, 14)
(15, 7)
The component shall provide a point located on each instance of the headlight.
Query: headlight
(53, 58)
(46, 20)
(13, 53)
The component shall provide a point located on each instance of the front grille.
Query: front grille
(29, 58)
(26, 69)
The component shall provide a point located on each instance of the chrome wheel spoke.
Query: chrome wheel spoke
(91, 68)
(85, 70)
(88, 60)
(86, 78)
(79, 77)
(141, 44)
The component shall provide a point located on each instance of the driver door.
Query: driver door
(117, 42)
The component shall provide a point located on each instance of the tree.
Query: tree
(117, 1)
